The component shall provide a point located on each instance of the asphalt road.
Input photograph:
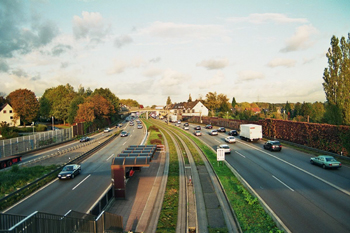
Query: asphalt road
(305, 197)
(81, 193)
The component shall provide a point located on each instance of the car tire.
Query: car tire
(323, 166)
(311, 161)
(72, 177)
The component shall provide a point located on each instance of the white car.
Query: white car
(213, 132)
(197, 133)
(107, 130)
(226, 148)
(186, 128)
(230, 139)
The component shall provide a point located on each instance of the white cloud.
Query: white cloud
(301, 39)
(214, 64)
(267, 17)
(172, 78)
(90, 25)
(152, 72)
(119, 66)
(193, 31)
(250, 75)
(281, 62)
(217, 79)
(122, 40)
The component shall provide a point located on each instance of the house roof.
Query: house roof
(3, 106)
(184, 105)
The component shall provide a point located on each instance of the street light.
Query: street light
(33, 127)
(53, 124)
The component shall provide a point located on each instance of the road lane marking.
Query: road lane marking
(109, 157)
(124, 143)
(81, 182)
(300, 169)
(240, 154)
(218, 141)
(283, 183)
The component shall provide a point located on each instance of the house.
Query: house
(187, 109)
(7, 115)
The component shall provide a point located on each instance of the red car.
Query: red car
(208, 126)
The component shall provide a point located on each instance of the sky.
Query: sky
(255, 51)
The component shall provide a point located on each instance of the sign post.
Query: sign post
(220, 155)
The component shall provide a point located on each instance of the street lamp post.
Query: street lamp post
(53, 124)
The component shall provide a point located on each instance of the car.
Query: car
(222, 129)
(179, 122)
(197, 133)
(208, 126)
(186, 124)
(69, 171)
(84, 139)
(131, 123)
(230, 139)
(226, 148)
(186, 128)
(139, 126)
(197, 127)
(213, 132)
(107, 130)
(325, 161)
(120, 125)
(273, 145)
(233, 133)
(123, 134)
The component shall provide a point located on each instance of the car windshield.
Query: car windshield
(68, 168)
(225, 147)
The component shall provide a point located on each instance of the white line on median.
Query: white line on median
(81, 182)
(240, 154)
(109, 157)
(283, 183)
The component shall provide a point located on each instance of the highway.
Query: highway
(305, 197)
(81, 193)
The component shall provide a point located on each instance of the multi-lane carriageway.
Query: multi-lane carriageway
(304, 197)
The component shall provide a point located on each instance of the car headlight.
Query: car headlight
(59, 175)
(69, 174)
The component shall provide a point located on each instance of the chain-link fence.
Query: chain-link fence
(18, 145)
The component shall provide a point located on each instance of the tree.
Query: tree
(337, 80)
(189, 98)
(108, 95)
(233, 102)
(2, 98)
(211, 102)
(317, 112)
(168, 101)
(73, 108)
(24, 104)
(223, 104)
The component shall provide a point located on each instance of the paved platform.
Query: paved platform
(141, 193)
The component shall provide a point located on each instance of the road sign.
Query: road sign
(220, 154)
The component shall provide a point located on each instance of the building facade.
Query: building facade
(7, 115)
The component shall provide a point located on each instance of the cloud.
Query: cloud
(174, 31)
(15, 36)
(281, 62)
(60, 48)
(152, 72)
(3, 66)
(90, 26)
(122, 40)
(301, 39)
(214, 64)
(64, 65)
(20, 73)
(171, 78)
(266, 18)
(119, 66)
(249, 75)
(218, 78)
(155, 60)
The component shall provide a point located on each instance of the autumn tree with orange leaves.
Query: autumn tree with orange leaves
(95, 107)
(24, 104)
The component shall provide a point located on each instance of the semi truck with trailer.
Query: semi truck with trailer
(9, 160)
(250, 132)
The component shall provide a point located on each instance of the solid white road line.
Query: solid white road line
(283, 183)
(109, 157)
(81, 182)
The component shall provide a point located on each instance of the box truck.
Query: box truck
(250, 132)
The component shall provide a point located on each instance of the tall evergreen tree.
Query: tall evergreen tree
(337, 81)
(189, 99)
(233, 103)
(168, 101)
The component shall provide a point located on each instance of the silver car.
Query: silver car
(325, 161)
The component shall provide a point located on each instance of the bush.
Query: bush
(40, 128)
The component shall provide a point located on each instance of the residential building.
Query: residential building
(187, 109)
(7, 115)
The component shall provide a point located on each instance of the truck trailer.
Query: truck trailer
(9, 160)
(250, 132)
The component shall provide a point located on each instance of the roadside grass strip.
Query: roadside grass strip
(168, 215)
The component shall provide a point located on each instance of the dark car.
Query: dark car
(208, 126)
(84, 139)
(123, 134)
(233, 133)
(273, 145)
(186, 124)
(197, 127)
(222, 129)
(70, 171)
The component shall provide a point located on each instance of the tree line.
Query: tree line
(64, 104)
